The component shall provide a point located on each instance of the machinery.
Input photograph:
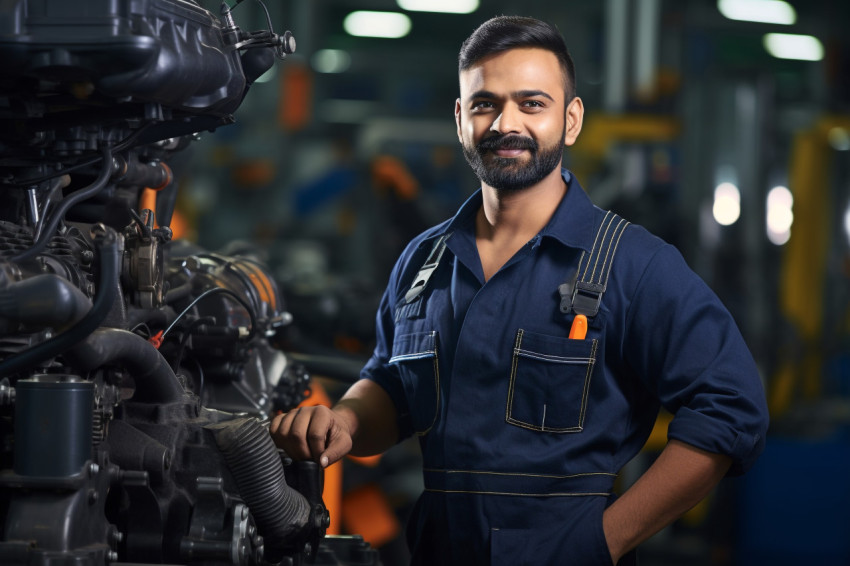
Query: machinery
(136, 372)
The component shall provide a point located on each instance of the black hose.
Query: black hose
(69, 201)
(44, 300)
(154, 378)
(281, 513)
(107, 285)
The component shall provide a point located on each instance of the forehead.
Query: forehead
(515, 70)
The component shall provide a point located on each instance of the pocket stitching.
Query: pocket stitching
(425, 354)
(518, 352)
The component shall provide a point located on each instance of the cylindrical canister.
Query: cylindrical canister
(53, 425)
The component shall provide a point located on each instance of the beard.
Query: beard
(512, 174)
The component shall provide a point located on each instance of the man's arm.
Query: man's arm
(363, 422)
(679, 479)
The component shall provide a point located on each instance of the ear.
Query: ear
(574, 117)
(457, 120)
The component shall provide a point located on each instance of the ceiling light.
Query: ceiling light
(331, 61)
(765, 11)
(790, 46)
(727, 204)
(377, 24)
(780, 215)
(443, 6)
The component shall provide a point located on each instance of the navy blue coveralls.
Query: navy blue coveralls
(523, 430)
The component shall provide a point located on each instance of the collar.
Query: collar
(573, 224)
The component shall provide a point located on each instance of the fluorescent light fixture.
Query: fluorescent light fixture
(727, 204)
(331, 61)
(780, 215)
(764, 11)
(791, 46)
(377, 24)
(443, 6)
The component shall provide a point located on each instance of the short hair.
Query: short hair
(504, 33)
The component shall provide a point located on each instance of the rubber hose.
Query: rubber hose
(44, 300)
(279, 511)
(50, 225)
(107, 284)
(155, 380)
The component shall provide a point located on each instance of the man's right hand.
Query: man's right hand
(312, 433)
(363, 422)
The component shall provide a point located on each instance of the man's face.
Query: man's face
(512, 117)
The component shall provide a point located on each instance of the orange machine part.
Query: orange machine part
(365, 511)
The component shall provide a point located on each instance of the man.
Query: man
(522, 428)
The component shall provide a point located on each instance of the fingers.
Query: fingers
(311, 433)
(338, 445)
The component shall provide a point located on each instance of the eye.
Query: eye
(482, 105)
(533, 104)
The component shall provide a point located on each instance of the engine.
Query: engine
(137, 372)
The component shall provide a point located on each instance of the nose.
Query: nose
(505, 122)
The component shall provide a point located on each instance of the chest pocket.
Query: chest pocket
(549, 382)
(415, 355)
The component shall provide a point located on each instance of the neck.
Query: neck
(519, 214)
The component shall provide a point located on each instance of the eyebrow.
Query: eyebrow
(514, 94)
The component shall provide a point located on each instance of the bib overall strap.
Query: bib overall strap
(427, 269)
(411, 307)
(583, 294)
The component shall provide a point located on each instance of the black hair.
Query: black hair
(504, 33)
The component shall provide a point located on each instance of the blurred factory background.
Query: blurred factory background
(722, 126)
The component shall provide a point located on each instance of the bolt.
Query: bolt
(111, 556)
(93, 469)
(93, 497)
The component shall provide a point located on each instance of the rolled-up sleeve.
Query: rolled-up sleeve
(686, 348)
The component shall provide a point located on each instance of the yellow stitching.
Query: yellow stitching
(617, 245)
(509, 405)
(536, 428)
(580, 259)
(491, 473)
(564, 494)
(618, 233)
(437, 385)
(591, 361)
(602, 243)
(587, 377)
(594, 245)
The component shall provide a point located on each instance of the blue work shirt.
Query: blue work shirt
(523, 430)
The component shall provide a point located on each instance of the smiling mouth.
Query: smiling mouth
(508, 152)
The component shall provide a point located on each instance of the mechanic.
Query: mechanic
(524, 429)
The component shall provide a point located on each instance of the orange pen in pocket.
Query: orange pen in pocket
(579, 328)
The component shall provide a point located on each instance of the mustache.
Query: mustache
(503, 141)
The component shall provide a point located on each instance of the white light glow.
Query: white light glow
(791, 46)
(780, 215)
(765, 11)
(331, 61)
(727, 204)
(377, 24)
(444, 6)
(847, 224)
(839, 139)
